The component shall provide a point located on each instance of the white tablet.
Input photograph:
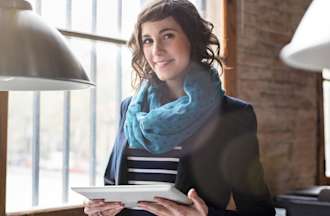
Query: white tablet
(131, 194)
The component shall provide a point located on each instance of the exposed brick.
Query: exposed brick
(253, 33)
(285, 99)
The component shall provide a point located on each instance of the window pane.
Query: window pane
(107, 18)
(129, 13)
(326, 74)
(54, 12)
(326, 102)
(80, 136)
(19, 156)
(82, 15)
(51, 139)
(126, 73)
(107, 103)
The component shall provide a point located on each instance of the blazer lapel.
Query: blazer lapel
(121, 171)
(185, 177)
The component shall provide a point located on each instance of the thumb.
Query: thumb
(197, 201)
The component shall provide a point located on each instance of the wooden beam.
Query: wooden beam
(228, 55)
(224, 37)
(77, 210)
(228, 42)
(3, 149)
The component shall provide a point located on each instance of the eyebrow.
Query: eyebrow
(161, 31)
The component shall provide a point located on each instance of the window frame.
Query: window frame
(322, 179)
(3, 148)
(228, 41)
(228, 53)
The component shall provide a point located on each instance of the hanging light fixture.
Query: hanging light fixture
(310, 46)
(33, 55)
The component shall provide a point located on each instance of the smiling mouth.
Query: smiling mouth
(163, 63)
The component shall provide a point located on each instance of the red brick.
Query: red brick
(285, 99)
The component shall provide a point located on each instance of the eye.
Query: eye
(147, 41)
(168, 36)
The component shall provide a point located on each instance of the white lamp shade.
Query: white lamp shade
(33, 55)
(310, 46)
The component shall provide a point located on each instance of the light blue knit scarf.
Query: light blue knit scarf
(164, 126)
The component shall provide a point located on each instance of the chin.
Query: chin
(166, 75)
(163, 76)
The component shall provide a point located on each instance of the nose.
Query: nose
(158, 48)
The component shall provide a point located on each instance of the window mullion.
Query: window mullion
(66, 123)
(66, 145)
(118, 96)
(90, 36)
(93, 101)
(35, 148)
(36, 135)
(93, 117)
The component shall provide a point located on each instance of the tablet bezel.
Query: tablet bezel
(131, 194)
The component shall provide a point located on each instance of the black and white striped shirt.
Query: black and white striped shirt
(147, 168)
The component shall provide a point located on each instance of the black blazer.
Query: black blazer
(222, 158)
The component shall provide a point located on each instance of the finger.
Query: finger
(95, 202)
(114, 211)
(167, 203)
(111, 206)
(198, 202)
(114, 204)
(154, 208)
(100, 203)
(90, 211)
(104, 207)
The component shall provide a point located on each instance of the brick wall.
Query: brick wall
(285, 100)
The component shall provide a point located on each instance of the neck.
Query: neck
(175, 89)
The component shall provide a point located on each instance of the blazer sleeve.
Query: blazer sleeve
(110, 171)
(228, 162)
(249, 189)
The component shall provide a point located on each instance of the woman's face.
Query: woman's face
(166, 48)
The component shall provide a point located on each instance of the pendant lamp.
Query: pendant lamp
(310, 46)
(34, 55)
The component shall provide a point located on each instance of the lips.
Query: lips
(163, 63)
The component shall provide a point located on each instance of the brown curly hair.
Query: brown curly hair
(198, 31)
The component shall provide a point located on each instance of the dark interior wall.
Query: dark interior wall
(285, 99)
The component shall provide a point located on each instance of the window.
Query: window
(61, 139)
(325, 146)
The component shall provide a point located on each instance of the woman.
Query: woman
(180, 127)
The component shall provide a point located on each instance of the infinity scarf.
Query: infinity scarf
(164, 126)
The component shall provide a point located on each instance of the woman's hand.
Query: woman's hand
(165, 207)
(101, 208)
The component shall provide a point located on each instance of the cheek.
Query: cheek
(183, 50)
